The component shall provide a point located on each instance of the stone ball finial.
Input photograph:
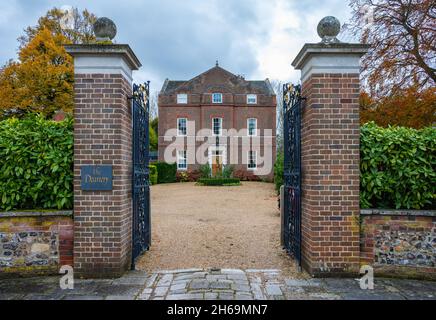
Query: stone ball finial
(105, 29)
(328, 29)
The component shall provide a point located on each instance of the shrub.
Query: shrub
(397, 167)
(166, 173)
(183, 176)
(228, 171)
(36, 169)
(205, 171)
(278, 171)
(219, 181)
(153, 174)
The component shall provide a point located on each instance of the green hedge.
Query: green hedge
(397, 167)
(166, 173)
(278, 171)
(219, 181)
(36, 168)
(153, 174)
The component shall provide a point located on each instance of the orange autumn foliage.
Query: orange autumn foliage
(43, 80)
(410, 108)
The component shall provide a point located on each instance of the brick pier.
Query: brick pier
(102, 136)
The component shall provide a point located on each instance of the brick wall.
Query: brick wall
(399, 243)
(102, 133)
(330, 169)
(35, 243)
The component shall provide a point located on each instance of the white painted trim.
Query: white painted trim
(222, 97)
(223, 149)
(99, 64)
(221, 127)
(178, 160)
(252, 95)
(248, 128)
(182, 94)
(178, 131)
(248, 160)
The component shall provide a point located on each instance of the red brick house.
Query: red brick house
(218, 118)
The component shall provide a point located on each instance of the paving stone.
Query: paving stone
(215, 277)
(131, 280)
(79, 297)
(165, 280)
(151, 280)
(222, 284)
(273, 290)
(179, 271)
(185, 296)
(160, 291)
(211, 295)
(199, 284)
(226, 296)
(145, 296)
(241, 277)
(125, 298)
(178, 286)
(240, 287)
(240, 296)
(257, 292)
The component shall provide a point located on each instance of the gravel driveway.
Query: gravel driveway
(215, 227)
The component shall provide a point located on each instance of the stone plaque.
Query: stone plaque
(96, 178)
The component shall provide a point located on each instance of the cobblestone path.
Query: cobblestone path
(226, 284)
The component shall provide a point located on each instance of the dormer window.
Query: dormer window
(182, 98)
(251, 98)
(217, 98)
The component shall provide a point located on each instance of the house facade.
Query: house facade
(220, 119)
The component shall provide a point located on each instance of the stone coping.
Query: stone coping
(391, 212)
(331, 48)
(30, 214)
(105, 49)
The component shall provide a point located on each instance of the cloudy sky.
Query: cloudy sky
(179, 39)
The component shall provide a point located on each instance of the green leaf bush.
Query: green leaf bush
(166, 172)
(36, 167)
(153, 174)
(278, 171)
(219, 181)
(397, 167)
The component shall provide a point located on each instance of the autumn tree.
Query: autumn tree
(411, 108)
(402, 38)
(42, 78)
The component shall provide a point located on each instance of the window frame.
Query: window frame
(248, 127)
(213, 127)
(184, 95)
(249, 162)
(186, 127)
(179, 162)
(213, 96)
(251, 95)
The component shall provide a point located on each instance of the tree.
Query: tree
(42, 78)
(71, 24)
(411, 108)
(402, 36)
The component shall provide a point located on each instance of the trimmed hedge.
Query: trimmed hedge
(166, 173)
(219, 181)
(153, 174)
(279, 178)
(36, 168)
(397, 167)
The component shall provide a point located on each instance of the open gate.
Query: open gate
(292, 105)
(141, 229)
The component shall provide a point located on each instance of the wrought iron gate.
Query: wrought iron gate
(141, 231)
(292, 105)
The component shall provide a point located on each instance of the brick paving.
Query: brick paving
(225, 284)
